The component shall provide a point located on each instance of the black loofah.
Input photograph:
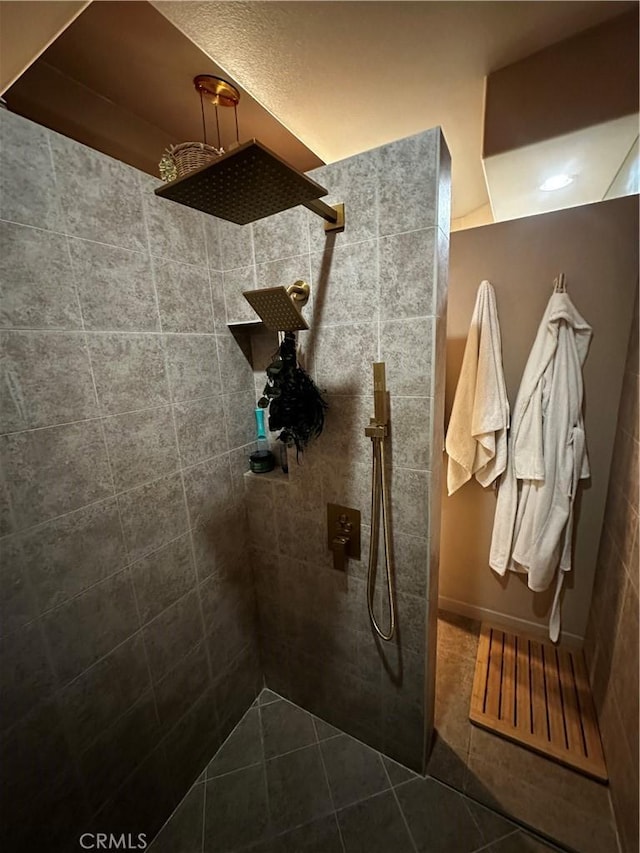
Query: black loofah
(296, 406)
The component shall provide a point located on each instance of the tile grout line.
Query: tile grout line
(152, 684)
(400, 809)
(235, 769)
(224, 320)
(263, 764)
(204, 807)
(328, 784)
(466, 800)
(487, 847)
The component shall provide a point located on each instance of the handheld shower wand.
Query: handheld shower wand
(377, 432)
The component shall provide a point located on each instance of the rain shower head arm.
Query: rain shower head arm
(332, 214)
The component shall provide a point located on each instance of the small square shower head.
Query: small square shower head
(276, 309)
(245, 184)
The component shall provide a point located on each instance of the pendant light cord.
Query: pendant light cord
(204, 126)
(218, 126)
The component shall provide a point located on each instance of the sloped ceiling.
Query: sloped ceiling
(348, 76)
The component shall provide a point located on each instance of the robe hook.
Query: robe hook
(559, 284)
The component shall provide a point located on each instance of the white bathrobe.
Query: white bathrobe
(547, 456)
(476, 440)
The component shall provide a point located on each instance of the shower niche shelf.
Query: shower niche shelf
(276, 476)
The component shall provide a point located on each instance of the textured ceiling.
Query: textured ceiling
(348, 76)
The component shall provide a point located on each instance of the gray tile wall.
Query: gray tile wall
(378, 294)
(611, 642)
(128, 616)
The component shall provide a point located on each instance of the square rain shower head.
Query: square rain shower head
(245, 184)
(276, 309)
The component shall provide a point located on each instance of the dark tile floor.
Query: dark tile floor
(285, 781)
(554, 800)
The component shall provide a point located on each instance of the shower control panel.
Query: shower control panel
(343, 534)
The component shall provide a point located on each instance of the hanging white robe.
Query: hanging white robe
(533, 522)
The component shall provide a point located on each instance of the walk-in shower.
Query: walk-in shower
(157, 583)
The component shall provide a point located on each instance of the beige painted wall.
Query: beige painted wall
(27, 29)
(596, 247)
(581, 81)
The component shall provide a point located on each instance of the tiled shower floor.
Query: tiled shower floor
(285, 781)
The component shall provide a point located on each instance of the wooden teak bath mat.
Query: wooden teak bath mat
(537, 695)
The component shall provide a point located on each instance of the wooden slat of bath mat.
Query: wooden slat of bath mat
(557, 731)
(538, 699)
(494, 674)
(482, 662)
(570, 703)
(590, 728)
(537, 695)
(508, 703)
(523, 694)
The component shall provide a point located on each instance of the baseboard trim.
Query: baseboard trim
(495, 617)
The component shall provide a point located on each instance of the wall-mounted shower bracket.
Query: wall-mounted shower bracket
(343, 534)
(376, 430)
(332, 213)
(299, 291)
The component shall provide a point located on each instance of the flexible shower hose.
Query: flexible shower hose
(379, 500)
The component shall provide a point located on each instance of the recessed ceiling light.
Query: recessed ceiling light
(556, 182)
